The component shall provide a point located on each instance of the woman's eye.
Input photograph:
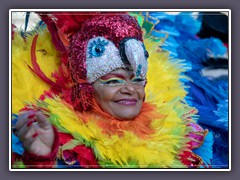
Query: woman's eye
(137, 80)
(112, 82)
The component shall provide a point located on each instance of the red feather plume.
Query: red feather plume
(37, 70)
(69, 22)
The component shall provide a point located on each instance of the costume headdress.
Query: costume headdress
(96, 44)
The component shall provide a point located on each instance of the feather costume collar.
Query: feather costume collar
(160, 145)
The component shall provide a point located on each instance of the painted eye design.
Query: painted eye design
(97, 48)
(115, 81)
(138, 80)
(112, 81)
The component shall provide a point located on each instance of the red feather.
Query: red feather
(37, 70)
(71, 22)
(53, 31)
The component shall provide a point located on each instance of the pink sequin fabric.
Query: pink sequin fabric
(197, 135)
(110, 26)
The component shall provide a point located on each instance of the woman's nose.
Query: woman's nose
(128, 89)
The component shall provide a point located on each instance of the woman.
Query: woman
(96, 113)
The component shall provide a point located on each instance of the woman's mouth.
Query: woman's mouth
(127, 102)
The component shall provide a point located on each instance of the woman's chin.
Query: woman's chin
(126, 116)
(126, 113)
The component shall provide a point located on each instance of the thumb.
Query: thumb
(42, 121)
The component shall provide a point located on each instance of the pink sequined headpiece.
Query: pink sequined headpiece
(97, 43)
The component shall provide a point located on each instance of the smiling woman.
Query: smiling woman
(120, 93)
(103, 100)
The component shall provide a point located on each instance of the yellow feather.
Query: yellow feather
(157, 151)
(26, 86)
(163, 83)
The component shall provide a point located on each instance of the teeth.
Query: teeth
(126, 101)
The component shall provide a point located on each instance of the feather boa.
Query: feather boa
(111, 148)
(165, 141)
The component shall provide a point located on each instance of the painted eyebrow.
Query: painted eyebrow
(134, 76)
(112, 75)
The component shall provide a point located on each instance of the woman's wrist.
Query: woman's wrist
(37, 161)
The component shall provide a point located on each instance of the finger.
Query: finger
(26, 131)
(23, 118)
(42, 121)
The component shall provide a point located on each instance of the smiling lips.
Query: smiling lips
(127, 102)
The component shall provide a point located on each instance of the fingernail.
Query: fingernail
(35, 135)
(29, 123)
(47, 115)
(31, 116)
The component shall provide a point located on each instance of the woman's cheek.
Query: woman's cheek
(141, 93)
(106, 94)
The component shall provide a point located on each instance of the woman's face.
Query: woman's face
(120, 93)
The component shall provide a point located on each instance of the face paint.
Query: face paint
(120, 93)
(118, 79)
(112, 81)
(139, 81)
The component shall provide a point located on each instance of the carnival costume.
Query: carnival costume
(52, 71)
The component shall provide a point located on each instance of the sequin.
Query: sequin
(135, 54)
(139, 70)
(97, 48)
(106, 63)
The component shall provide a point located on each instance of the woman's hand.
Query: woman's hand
(35, 132)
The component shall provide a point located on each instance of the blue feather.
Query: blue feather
(17, 145)
(26, 20)
(210, 97)
(205, 151)
(221, 112)
(187, 21)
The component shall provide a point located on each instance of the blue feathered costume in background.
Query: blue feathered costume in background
(185, 40)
